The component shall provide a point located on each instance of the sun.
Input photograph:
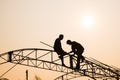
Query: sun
(88, 21)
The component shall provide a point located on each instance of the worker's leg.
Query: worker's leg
(62, 60)
(78, 62)
(71, 61)
(83, 58)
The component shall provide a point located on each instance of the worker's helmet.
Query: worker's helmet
(68, 41)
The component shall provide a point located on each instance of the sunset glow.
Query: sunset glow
(88, 21)
(24, 23)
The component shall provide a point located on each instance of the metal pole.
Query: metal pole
(26, 74)
(46, 44)
(10, 56)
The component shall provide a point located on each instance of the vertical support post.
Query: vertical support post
(84, 72)
(26, 74)
(10, 56)
(36, 57)
(71, 61)
(93, 71)
(51, 56)
(117, 78)
(62, 78)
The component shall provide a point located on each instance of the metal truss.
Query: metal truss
(47, 59)
(33, 57)
(93, 69)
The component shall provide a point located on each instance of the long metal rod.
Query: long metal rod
(46, 44)
(26, 74)
(8, 71)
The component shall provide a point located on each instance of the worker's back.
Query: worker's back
(57, 45)
(77, 46)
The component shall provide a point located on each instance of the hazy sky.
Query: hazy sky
(93, 23)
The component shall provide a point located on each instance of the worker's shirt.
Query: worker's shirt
(77, 47)
(57, 45)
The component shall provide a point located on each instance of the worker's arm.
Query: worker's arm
(72, 52)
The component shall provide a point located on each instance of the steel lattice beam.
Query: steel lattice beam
(93, 69)
(46, 59)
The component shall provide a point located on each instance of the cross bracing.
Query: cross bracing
(47, 59)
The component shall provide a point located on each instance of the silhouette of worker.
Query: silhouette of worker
(77, 49)
(58, 48)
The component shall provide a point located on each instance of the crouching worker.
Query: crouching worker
(78, 50)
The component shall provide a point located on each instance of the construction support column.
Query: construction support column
(10, 56)
(26, 74)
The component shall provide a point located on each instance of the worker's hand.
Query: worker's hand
(65, 53)
(72, 54)
(69, 52)
(60, 56)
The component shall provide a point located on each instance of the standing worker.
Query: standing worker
(77, 49)
(58, 48)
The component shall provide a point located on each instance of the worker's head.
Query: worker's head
(69, 42)
(61, 36)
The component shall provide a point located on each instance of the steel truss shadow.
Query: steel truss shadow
(47, 59)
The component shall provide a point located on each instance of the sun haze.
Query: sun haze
(88, 21)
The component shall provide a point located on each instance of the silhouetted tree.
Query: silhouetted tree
(4, 79)
(37, 78)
